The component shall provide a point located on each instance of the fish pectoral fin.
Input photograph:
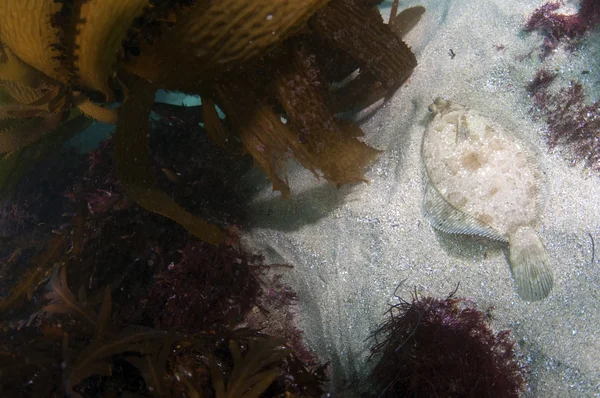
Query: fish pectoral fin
(447, 218)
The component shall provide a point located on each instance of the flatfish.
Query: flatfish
(483, 181)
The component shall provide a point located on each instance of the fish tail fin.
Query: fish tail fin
(530, 265)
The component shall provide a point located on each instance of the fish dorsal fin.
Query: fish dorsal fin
(446, 218)
(541, 182)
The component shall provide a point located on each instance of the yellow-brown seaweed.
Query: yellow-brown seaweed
(134, 168)
(260, 61)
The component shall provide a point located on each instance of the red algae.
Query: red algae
(446, 348)
(571, 121)
(208, 288)
(557, 27)
(155, 312)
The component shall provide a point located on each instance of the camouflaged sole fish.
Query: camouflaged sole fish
(483, 181)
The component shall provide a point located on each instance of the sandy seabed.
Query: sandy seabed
(351, 247)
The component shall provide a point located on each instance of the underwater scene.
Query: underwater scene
(299, 198)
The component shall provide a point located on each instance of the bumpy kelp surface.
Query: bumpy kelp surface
(101, 28)
(267, 64)
(26, 28)
(208, 37)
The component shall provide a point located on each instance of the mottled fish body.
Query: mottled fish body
(482, 180)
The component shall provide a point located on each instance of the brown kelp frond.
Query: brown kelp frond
(95, 111)
(301, 122)
(377, 49)
(66, 20)
(51, 99)
(371, 3)
(63, 301)
(26, 28)
(304, 127)
(214, 126)
(43, 264)
(298, 88)
(8, 124)
(38, 102)
(145, 348)
(252, 373)
(235, 31)
(96, 50)
(13, 69)
(262, 132)
(21, 92)
(133, 162)
(27, 133)
(393, 13)
(101, 356)
(218, 35)
(19, 111)
(352, 84)
(209, 48)
(158, 17)
(149, 350)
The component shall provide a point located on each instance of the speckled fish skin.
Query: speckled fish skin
(483, 181)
